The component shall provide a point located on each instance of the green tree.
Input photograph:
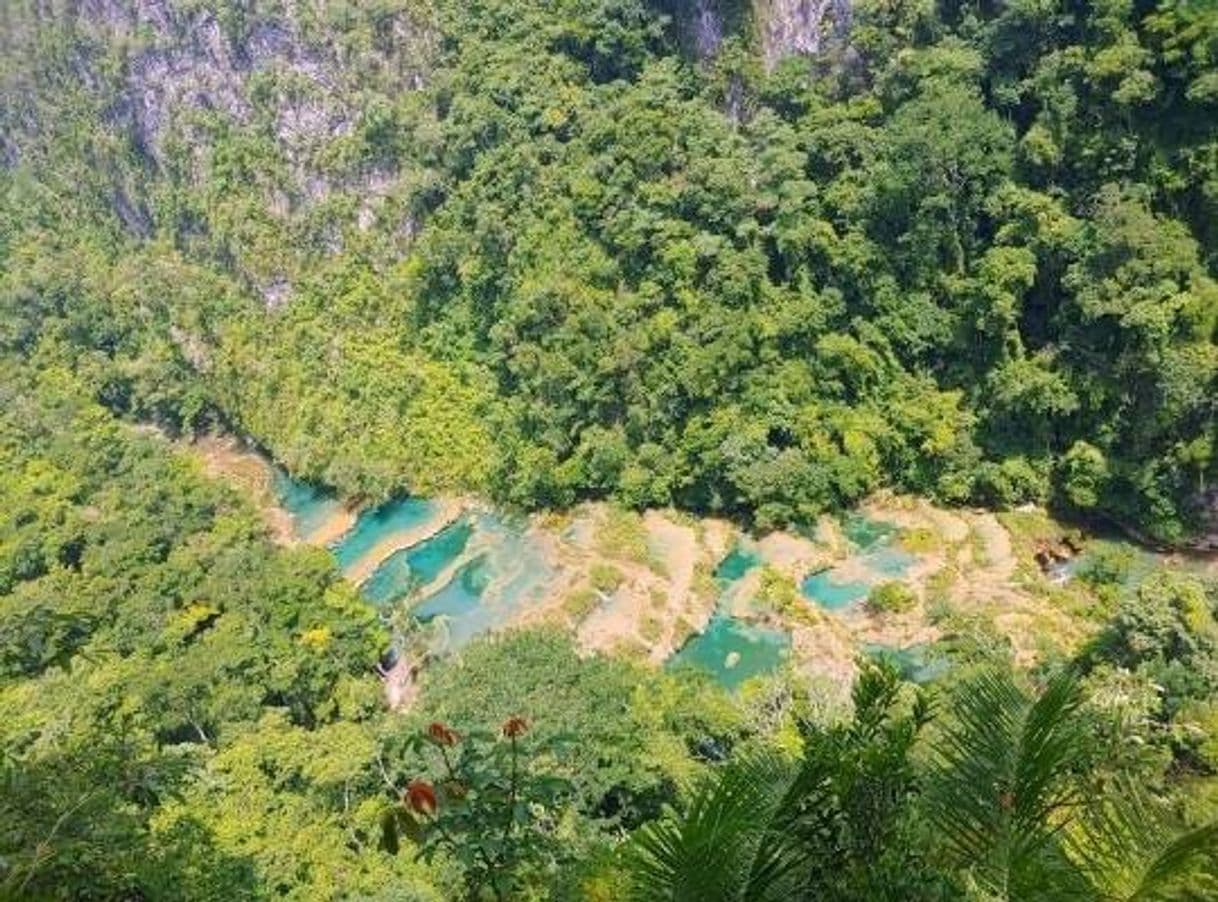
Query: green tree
(1015, 803)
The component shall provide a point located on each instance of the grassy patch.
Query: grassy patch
(1031, 529)
(939, 584)
(685, 518)
(703, 584)
(940, 611)
(681, 631)
(621, 535)
(971, 637)
(580, 603)
(976, 544)
(631, 650)
(651, 629)
(920, 540)
(891, 598)
(777, 592)
(555, 521)
(605, 577)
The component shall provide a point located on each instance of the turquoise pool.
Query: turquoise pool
(876, 559)
(409, 569)
(512, 573)
(865, 533)
(739, 561)
(308, 505)
(830, 594)
(732, 651)
(375, 525)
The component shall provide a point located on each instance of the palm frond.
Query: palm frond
(1127, 848)
(1001, 788)
(1109, 840)
(708, 853)
(803, 818)
(1176, 859)
(849, 796)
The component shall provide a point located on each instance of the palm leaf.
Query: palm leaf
(842, 807)
(708, 853)
(1176, 859)
(1126, 847)
(802, 819)
(1001, 786)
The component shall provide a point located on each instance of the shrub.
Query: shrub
(622, 536)
(580, 603)
(605, 577)
(891, 598)
(777, 592)
(651, 629)
(919, 540)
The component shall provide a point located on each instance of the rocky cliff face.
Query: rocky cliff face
(707, 28)
(788, 27)
(781, 28)
(222, 121)
(180, 63)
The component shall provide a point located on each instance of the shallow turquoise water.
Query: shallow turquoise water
(429, 559)
(916, 663)
(738, 562)
(374, 526)
(759, 651)
(831, 595)
(866, 534)
(460, 602)
(308, 505)
(889, 562)
(881, 560)
(486, 592)
(412, 568)
(392, 580)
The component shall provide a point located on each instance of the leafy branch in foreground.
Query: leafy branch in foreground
(1025, 808)
(490, 805)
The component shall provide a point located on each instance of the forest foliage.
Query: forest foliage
(540, 251)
